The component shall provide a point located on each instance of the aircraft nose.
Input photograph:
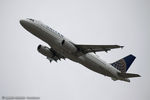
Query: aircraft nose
(25, 23)
(22, 22)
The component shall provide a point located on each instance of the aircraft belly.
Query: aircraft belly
(95, 64)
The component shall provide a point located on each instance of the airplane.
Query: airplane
(62, 48)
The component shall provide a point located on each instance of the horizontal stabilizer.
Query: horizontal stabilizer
(128, 75)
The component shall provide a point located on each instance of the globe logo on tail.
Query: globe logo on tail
(120, 65)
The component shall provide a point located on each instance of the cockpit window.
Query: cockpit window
(31, 19)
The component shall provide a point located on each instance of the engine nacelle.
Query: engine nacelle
(68, 46)
(45, 51)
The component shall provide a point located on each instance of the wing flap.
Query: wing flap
(96, 48)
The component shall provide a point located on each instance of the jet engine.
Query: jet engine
(68, 46)
(49, 53)
(45, 51)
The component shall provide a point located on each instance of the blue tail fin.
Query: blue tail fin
(124, 63)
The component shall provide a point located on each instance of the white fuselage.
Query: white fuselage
(54, 39)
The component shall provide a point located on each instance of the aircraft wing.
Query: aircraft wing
(96, 48)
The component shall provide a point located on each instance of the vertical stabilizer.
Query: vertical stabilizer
(124, 63)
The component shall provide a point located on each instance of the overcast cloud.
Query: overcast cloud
(25, 72)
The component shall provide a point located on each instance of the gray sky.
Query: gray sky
(25, 72)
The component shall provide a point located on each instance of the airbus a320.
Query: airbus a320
(62, 48)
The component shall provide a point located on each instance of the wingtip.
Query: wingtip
(139, 75)
(121, 47)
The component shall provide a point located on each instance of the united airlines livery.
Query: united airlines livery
(62, 48)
